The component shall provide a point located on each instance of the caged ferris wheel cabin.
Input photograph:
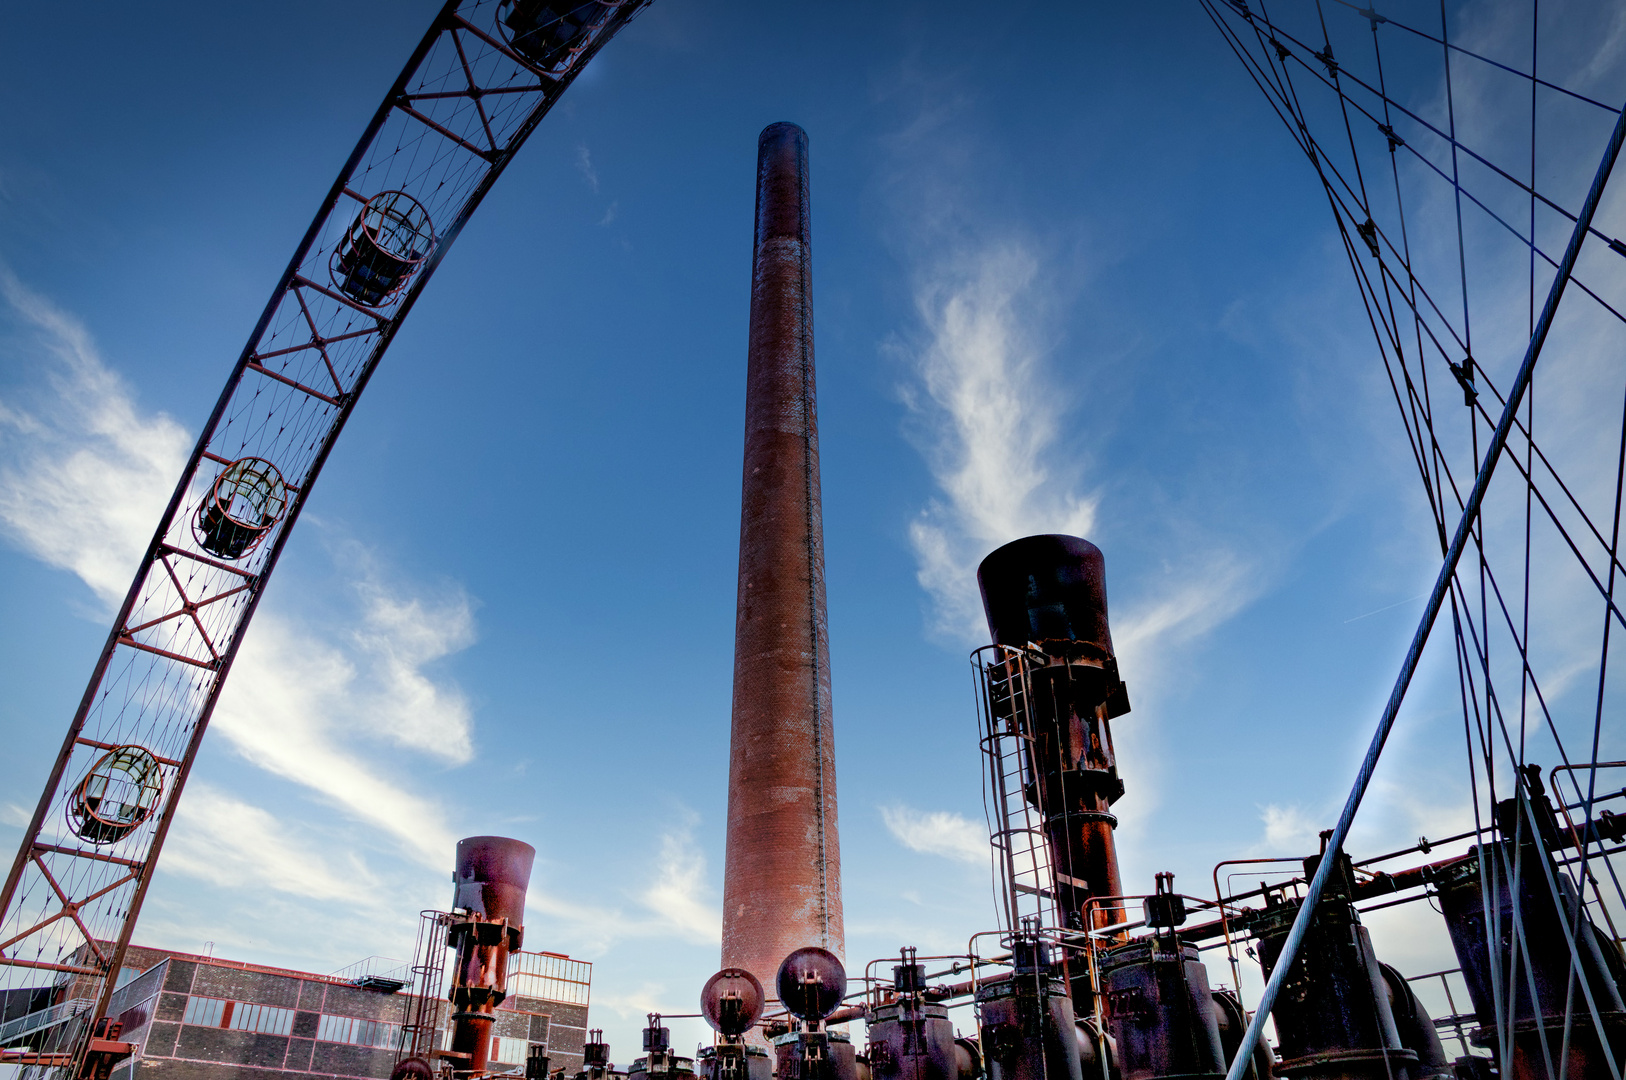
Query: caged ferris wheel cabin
(1468, 173)
(475, 87)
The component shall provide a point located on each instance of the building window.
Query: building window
(549, 976)
(358, 1032)
(205, 1011)
(238, 1016)
(509, 1051)
(262, 1019)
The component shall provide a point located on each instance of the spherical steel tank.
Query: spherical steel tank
(732, 1001)
(1046, 588)
(811, 982)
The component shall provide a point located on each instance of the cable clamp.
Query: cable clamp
(1465, 378)
(1369, 232)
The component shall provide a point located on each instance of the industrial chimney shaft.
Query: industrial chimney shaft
(782, 880)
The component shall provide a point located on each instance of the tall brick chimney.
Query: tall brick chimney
(782, 884)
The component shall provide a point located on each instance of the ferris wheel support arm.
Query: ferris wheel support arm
(474, 89)
(198, 453)
(1436, 599)
(256, 582)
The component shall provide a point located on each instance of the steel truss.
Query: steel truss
(476, 86)
(1456, 164)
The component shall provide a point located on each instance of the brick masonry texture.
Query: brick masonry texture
(782, 878)
(152, 1005)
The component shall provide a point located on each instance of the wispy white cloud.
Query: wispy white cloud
(937, 832)
(1413, 801)
(678, 896)
(1290, 830)
(584, 165)
(228, 842)
(1184, 604)
(292, 696)
(85, 474)
(672, 901)
(399, 635)
(990, 421)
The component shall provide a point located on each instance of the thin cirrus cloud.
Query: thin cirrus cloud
(937, 832)
(83, 480)
(230, 842)
(84, 475)
(292, 697)
(674, 902)
(991, 418)
(990, 423)
(678, 896)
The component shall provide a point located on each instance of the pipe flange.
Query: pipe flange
(1071, 816)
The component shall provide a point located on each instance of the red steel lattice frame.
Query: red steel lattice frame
(461, 108)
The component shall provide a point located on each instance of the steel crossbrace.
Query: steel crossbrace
(1442, 585)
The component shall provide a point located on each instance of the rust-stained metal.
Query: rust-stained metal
(492, 875)
(732, 1002)
(105, 1050)
(467, 101)
(910, 1035)
(782, 879)
(1335, 1021)
(1025, 1021)
(421, 1009)
(1162, 1013)
(1527, 994)
(811, 983)
(1055, 685)
(596, 1058)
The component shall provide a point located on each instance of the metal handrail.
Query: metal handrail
(43, 1018)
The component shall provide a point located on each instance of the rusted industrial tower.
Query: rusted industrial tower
(782, 886)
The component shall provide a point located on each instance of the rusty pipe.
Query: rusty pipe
(488, 908)
(1048, 593)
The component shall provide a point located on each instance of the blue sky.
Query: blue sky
(1070, 275)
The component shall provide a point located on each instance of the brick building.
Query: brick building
(204, 1018)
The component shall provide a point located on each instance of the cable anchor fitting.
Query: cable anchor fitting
(1371, 15)
(1369, 232)
(1465, 378)
(1394, 140)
